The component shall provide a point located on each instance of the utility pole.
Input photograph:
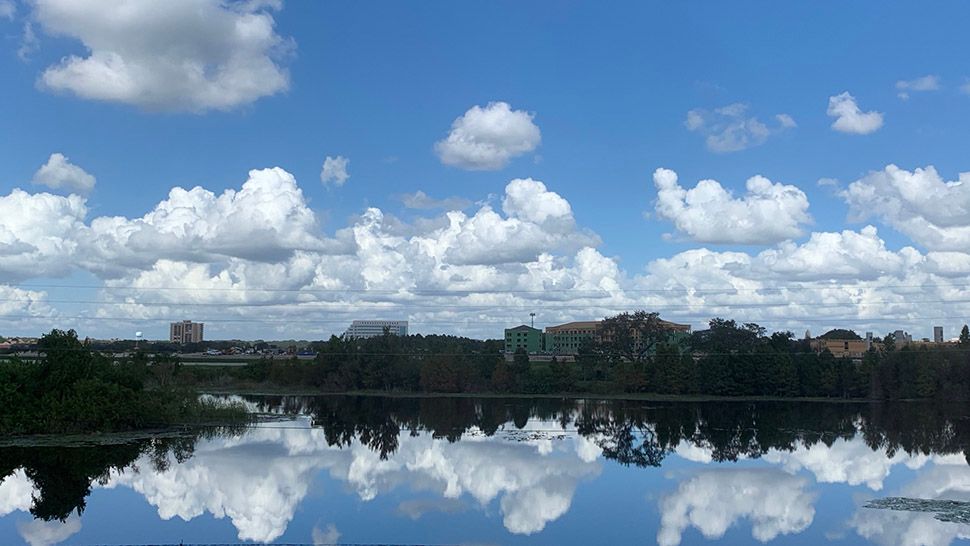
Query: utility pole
(533, 316)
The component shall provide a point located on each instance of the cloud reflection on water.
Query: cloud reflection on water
(259, 479)
(724, 469)
(713, 500)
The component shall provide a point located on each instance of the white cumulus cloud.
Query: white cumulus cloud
(709, 213)
(529, 200)
(849, 118)
(59, 173)
(173, 55)
(40, 234)
(335, 170)
(848, 254)
(257, 261)
(486, 139)
(266, 220)
(931, 211)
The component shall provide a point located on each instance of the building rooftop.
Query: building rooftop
(576, 325)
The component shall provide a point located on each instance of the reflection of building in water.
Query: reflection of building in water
(185, 332)
(363, 329)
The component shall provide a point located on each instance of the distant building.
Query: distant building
(566, 339)
(843, 348)
(902, 338)
(524, 337)
(363, 329)
(186, 332)
(937, 334)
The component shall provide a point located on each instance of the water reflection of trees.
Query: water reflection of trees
(631, 433)
(63, 475)
(641, 433)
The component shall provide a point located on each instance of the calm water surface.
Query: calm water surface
(463, 471)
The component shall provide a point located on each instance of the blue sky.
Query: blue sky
(609, 89)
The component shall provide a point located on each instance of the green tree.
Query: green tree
(441, 374)
(632, 336)
(889, 342)
(563, 375)
(928, 372)
(965, 337)
(502, 380)
(520, 368)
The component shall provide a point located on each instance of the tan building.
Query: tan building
(186, 332)
(567, 338)
(842, 348)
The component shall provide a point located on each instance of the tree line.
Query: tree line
(638, 355)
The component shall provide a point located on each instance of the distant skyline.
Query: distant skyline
(278, 169)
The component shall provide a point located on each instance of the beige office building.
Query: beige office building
(568, 338)
(843, 348)
(185, 332)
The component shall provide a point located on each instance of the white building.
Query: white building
(363, 329)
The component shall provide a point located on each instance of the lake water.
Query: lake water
(499, 471)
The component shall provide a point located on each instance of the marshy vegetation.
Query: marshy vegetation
(73, 389)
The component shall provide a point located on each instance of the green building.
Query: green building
(524, 337)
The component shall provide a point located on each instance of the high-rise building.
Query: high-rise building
(186, 332)
(938, 334)
(363, 329)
